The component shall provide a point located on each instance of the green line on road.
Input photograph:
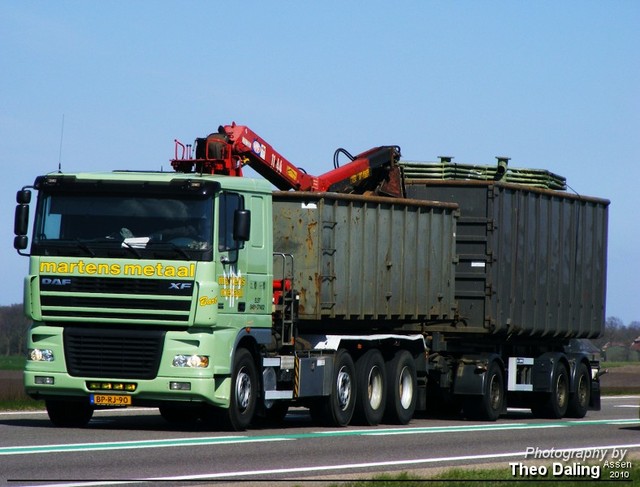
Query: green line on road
(222, 440)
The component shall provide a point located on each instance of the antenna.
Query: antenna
(60, 151)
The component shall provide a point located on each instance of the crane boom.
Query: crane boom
(234, 146)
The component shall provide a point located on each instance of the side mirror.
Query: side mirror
(23, 197)
(21, 221)
(241, 225)
(20, 242)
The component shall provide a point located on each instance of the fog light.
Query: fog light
(180, 386)
(40, 379)
(194, 361)
(40, 355)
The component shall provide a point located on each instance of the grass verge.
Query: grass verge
(494, 477)
(22, 405)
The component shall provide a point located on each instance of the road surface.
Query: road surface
(137, 445)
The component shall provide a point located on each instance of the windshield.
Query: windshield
(103, 225)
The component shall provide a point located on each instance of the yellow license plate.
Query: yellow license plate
(110, 400)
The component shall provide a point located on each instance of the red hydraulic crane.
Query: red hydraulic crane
(234, 146)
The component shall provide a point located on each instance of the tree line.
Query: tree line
(619, 341)
(14, 326)
(13, 330)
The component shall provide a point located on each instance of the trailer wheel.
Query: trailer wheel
(579, 400)
(337, 408)
(402, 388)
(489, 405)
(553, 405)
(371, 384)
(69, 414)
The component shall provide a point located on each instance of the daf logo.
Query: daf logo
(48, 281)
(180, 285)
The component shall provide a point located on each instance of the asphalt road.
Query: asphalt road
(138, 445)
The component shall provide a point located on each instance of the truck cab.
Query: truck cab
(140, 285)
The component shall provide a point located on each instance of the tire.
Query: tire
(579, 399)
(371, 382)
(553, 405)
(402, 388)
(489, 405)
(337, 409)
(244, 395)
(69, 414)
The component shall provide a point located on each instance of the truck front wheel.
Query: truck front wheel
(244, 394)
(69, 414)
(403, 385)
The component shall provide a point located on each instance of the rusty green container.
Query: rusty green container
(365, 262)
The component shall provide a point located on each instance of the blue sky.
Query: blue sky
(553, 85)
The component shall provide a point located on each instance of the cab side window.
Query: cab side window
(228, 204)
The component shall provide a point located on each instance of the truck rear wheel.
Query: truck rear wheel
(69, 414)
(579, 400)
(489, 405)
(554, 404)
(402, 388)
(372, 388)
(337, 408)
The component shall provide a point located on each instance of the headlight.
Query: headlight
(40, 355)
(195, 361)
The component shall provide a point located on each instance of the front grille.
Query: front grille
(94, 302)
(113, 353)
(116, 285)
(141, 300)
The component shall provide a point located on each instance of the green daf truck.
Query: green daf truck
(368, 293)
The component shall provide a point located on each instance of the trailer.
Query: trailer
(375, 290)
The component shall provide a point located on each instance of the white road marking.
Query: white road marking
(359, 466)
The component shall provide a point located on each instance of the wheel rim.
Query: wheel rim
(374, 388)
(243, 390)
(344, 388)
(405, 388)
